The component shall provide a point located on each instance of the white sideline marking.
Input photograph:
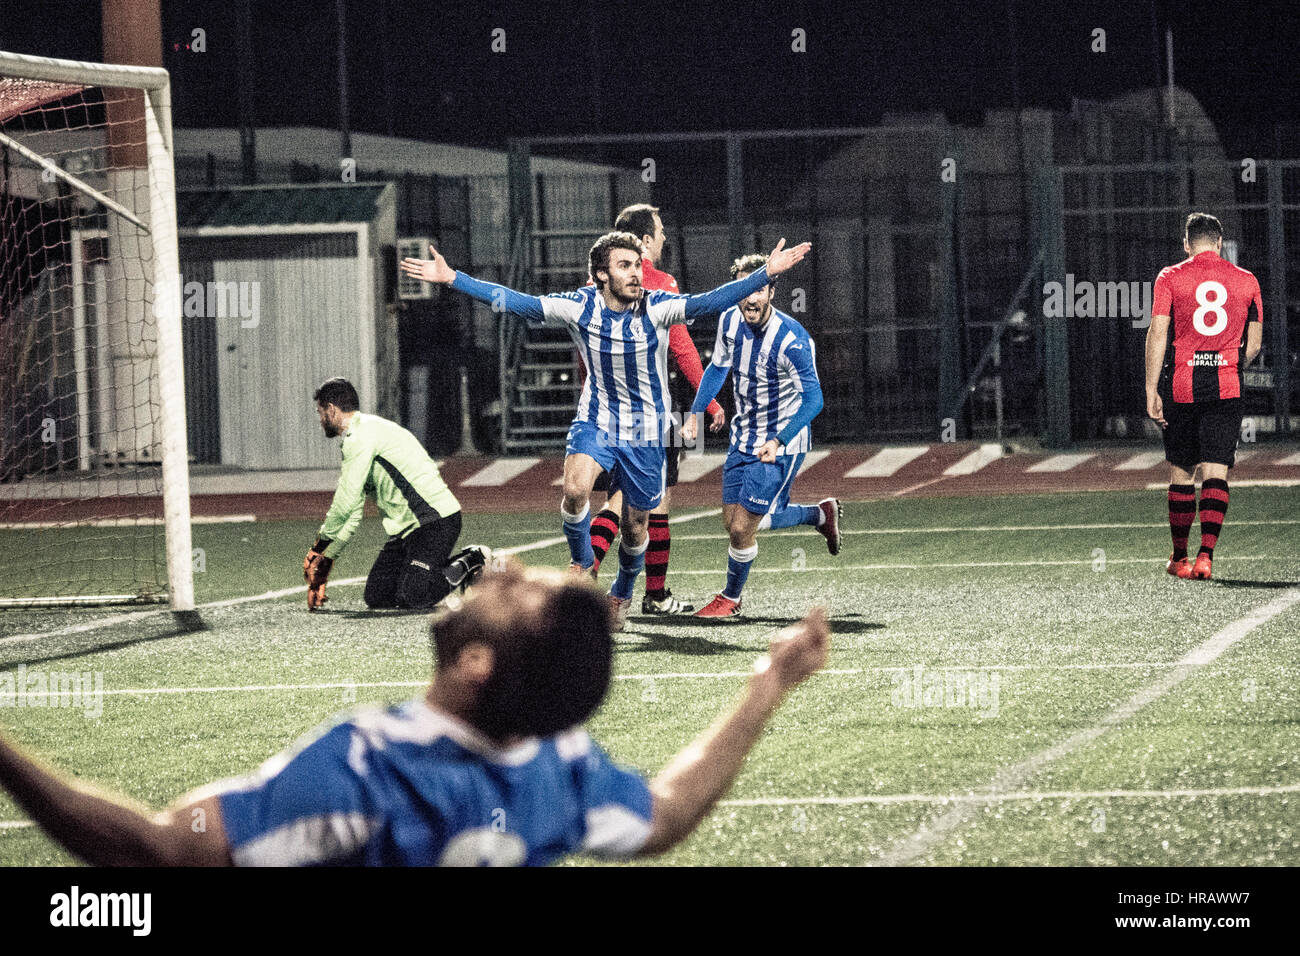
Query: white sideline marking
(886, 799)
(668, 675)
(1245, 483)
(1060, 462)
(1009, 779)
(283, 592)
(1144, 461)
(1035, 795)
(822, 569)
(982, 529)
(499, 472)
(887, 461)
(694, 467)
(1245, 455)
(1289, 460)
(976, 460)
(124, 522)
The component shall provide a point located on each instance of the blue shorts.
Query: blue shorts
(757, 487)
(639, 471)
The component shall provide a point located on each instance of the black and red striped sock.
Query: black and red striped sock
(1214, 505)
(1182, 509)
(656, 557)
(604, 529)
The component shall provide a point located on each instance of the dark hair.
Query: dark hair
(638, 219)
(599, 255)
(1202, 226)
(339, 393)
(750, 263)
(552, 664)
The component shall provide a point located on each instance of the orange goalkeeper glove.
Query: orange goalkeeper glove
(316, 571)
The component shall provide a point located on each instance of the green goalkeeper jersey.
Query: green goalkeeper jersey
(383, 461)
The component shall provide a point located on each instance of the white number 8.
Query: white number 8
(1213, 307)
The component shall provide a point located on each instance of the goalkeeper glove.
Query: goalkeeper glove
(316, 571)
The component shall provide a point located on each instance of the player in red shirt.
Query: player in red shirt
(1194, 384)
(642, 220)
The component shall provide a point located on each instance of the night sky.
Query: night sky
(705, 66)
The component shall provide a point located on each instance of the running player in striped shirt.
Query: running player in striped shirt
(643, 221)
(622, 418)
(774, 374)
(1193, 388)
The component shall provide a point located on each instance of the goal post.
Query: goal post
(94, 481)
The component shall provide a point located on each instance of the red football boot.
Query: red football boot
(830, 526)
(720, 607)
(1201, 569)
(1182, 568)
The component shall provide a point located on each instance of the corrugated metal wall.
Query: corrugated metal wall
(306, 329)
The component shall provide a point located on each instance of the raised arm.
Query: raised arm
(725, 296)
(109, 830)
(702, 773)
(499, 297)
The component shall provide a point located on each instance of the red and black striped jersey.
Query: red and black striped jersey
(1210, 302)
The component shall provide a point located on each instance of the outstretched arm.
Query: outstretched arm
(501, 298)
(105, 829)
(699, 776)
(724, 297)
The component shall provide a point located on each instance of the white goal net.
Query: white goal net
(94, 498)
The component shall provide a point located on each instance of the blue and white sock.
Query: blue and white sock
(792, 515)
(738, 564)
(630, 563)
(577, 530)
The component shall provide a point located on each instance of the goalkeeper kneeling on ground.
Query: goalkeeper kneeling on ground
(384, 461)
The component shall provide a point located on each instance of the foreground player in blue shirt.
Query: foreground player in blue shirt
(773, 364)
(490, 766)
(622, 421)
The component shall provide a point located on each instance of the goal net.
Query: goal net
(94, 495)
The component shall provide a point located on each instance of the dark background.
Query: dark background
(425, 69)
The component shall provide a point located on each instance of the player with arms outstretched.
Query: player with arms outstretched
(773, 364)
(644, 222)
(622, 418)
(1193, 387)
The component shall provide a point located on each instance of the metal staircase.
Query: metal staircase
(539, 368)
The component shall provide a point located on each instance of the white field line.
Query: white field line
(919, 485)
(667, 675)
(123, 522)
(1034, 795)
(1011, 778)
(981, 456)
(1245, 483)
(887, 799)
(281, 593)
(1059, 463)
(499, 472)
(823, 568)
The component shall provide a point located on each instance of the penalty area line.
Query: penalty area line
(1011, 778)
(667, 675)
(982, 799)
(280, 593)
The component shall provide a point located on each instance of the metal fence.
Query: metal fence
(1120, 225)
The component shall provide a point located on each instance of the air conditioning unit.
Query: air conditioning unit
(413, 247)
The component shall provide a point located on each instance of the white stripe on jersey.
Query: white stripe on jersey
(749, 427)
(626, 404)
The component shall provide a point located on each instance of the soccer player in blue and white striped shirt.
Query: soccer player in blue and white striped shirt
(621, 426)
(773, 364)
